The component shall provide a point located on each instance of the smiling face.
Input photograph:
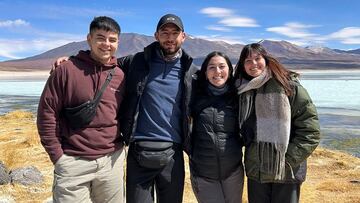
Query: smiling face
(254, 64)
(103, 45)
(170, 38)
(217, 71)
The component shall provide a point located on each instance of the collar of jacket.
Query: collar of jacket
(149, 50)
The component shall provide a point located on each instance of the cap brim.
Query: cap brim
(177, 25)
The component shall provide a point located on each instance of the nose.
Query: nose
(218, 69)
(107, 42)
(253, 62)
(170, 39)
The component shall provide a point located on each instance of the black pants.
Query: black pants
(168, 181)
(273, 192)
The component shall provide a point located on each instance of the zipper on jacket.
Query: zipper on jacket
(164, 70)
(186, 101)
(216, 140)
(140, 88)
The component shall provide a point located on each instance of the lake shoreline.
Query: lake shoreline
(24, 75)
(44, 74)
(326, 71)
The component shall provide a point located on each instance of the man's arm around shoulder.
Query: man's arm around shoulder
(125, 62)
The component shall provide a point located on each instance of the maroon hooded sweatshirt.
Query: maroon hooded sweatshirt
(71, 84)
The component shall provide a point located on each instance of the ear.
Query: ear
(156, 35)
(88, 39)
(183, 36)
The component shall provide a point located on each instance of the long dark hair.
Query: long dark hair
(279, 72)
(202, 74)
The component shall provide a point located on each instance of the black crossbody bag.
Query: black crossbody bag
(152, 154)
(80, 116)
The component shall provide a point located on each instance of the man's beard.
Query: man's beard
(169, 52)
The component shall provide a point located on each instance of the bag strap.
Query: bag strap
(106, 83)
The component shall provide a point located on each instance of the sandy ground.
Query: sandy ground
(23, 75)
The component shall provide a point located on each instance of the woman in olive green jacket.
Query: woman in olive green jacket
(279, 125)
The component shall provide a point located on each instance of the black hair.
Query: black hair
(104, 23)
(202, 74)
(279, 72)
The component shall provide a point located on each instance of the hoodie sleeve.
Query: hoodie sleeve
(48, 118)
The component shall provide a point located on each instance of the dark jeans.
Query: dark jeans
(168, 181)
(273, 192)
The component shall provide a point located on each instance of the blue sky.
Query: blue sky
(32, 27)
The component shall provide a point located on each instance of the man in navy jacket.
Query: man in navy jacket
(154, 116)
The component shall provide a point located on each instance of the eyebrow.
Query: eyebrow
(216, 64)
(253, 55)
(99, 35)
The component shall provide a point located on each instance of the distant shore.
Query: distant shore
(326, 71)
(23, 75)
(41, 74)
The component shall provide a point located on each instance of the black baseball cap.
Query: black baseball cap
(170, 18)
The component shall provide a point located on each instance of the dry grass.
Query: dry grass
(20, 146)
(332, 176)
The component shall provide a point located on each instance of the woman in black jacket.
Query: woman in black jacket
(216, 168)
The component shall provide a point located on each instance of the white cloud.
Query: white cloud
(351, 41)
(218, 28)
(299, 34)
(216, 12)
(227, 18)
(239, 22)
(347, 32)
(6, 54)
(20, 48)
(293, 30)
(300, 25)
(348, 35)
(13, 23)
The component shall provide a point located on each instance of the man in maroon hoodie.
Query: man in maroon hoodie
(88, 160)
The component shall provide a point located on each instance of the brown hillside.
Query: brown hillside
(332, 176)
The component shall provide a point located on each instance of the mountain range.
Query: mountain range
(293, 56)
